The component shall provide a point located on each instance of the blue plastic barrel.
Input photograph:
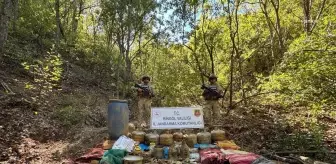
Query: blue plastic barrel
(118, 117)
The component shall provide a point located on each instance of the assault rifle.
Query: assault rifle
(145, 90)
(213, 92)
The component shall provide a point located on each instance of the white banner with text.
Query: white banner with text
(176, 117)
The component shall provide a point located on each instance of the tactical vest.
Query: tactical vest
(209, 95)
(145, 92)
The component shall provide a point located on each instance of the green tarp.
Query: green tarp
(113, 156)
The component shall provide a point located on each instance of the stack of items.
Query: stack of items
(225, 151)
(204, 148)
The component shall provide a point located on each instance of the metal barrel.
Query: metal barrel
(118, 118)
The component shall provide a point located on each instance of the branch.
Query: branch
(318, 15)
(88, 7)
(283, 159)
(153, 37)
(140, 48)
(331, 51)
(248, 97)
(6, 88)
(188, 48)
(305, 152)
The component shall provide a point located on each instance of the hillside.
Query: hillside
(62, 61)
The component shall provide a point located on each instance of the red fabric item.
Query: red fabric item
(211, 156)
(241, 158)
(93, 154)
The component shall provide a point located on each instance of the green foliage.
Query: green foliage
(307, 73)
(302, 141)
(105, 45)
(46, 74)
(36, 21)
(69, 116)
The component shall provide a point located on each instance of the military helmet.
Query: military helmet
(212, 76)
(145, 77)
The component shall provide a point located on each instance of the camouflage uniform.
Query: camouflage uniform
(144, 103)
(212, 107)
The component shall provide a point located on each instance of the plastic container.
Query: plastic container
(191, 140)
(178, 136)
(158, 152)
(138, 136)
(217, 135)
(152, 138)
(131, 127)
(173, 152)
(133, 159)
(204, 138)
(184, 152)
(118, 118)
(166, 139)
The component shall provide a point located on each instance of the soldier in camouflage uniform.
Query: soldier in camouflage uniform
(145, 94)
(212, 108)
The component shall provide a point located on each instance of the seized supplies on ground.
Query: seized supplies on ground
(263, 160)
(242, 158)
(152, 137)
(205, 146)
(230, 151)
(194, 157)
(191, 140)
(226, 144)
(217, 135)
(166, 139)
(211, 156)
(92, 154)
(204, 138)
(108, 144)
(125, 143)
(132, 159)
(138, 136)
(113, 156)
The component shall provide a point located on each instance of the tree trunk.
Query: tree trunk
(195, 48)
(263, 6)
(74, 17)
(208, 47)
(276, 6)
(6, 13)
(77, 11)
(15, 13)
(118, 75)
(58, 23)
(237, 52)
(232, 37)
(306, 12)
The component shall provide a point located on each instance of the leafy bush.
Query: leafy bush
(69, 116)
(46, 74)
